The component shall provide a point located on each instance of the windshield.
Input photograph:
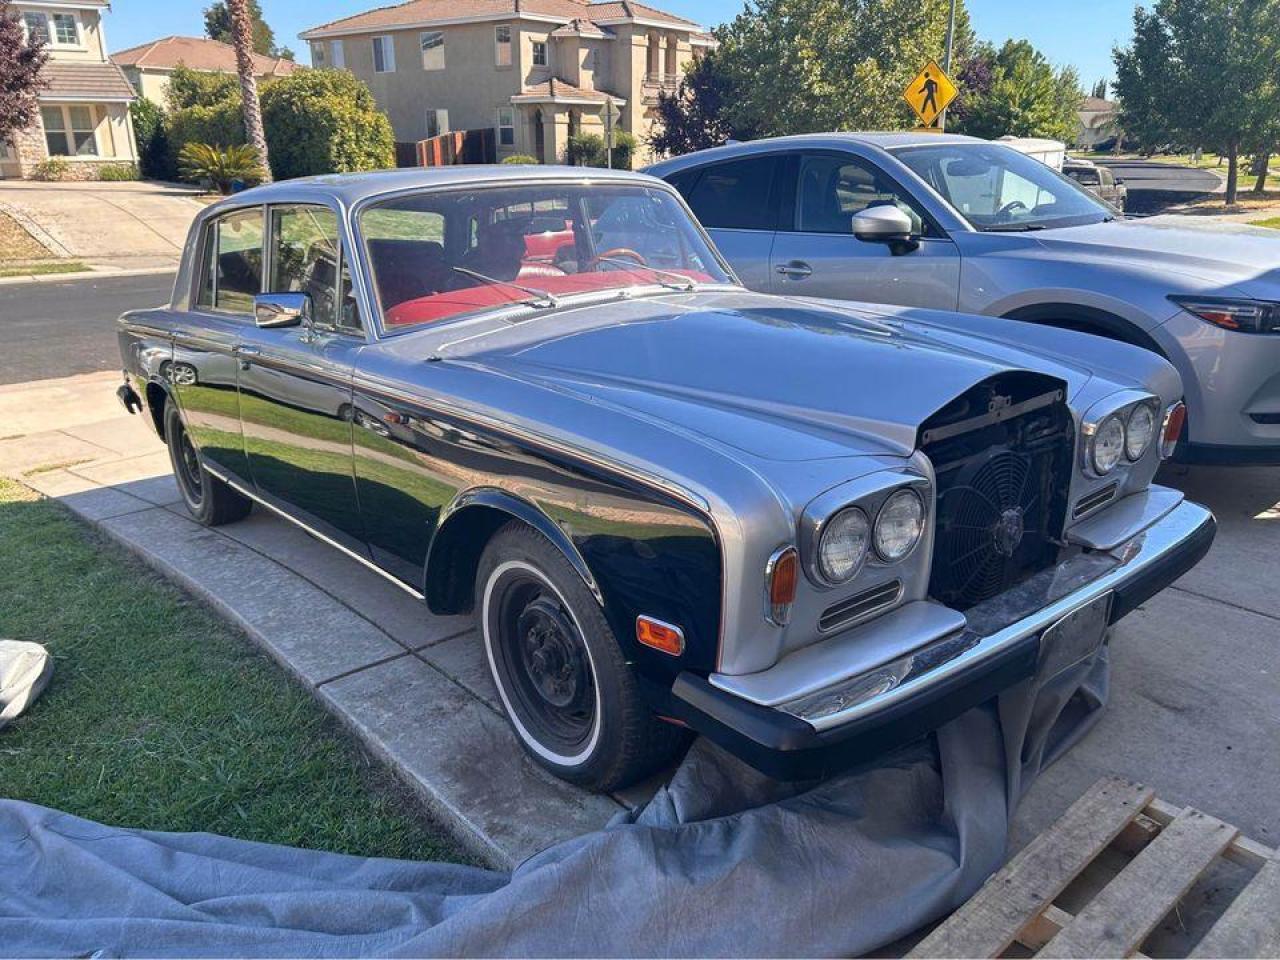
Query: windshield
(997, 188)
(444, 253)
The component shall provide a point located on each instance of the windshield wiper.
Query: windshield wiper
(1012, 227)
(537, 298)
(681, 282)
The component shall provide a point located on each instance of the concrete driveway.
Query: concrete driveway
(132, 225)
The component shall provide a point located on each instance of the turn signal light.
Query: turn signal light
(1174, 419)
(781, 577)
(660, 635)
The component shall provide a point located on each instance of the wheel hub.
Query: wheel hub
(552, 657)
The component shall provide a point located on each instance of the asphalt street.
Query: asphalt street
(59, 329)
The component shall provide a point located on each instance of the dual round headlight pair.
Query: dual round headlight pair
(849, 535)
(1118, 437)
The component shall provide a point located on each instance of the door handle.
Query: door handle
(796, 268)
(246, 354)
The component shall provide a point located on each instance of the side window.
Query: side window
(735, 195)
(233, 262)
(684, 181)
(833, 189)
(304, 257)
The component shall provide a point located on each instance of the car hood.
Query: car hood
(779, 379)
(1246, 258)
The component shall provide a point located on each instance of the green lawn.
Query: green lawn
(33, 269)
(1273, 222)
(163, 717)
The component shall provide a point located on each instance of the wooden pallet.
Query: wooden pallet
(1171, 849)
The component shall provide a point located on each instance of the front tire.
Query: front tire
(560, 673)
(209, 500)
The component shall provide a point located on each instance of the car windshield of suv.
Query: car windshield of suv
(445, 253)
(997, 188)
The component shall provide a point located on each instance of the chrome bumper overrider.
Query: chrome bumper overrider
(998, 624)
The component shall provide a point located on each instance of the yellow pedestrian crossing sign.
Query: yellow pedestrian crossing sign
(929, 93)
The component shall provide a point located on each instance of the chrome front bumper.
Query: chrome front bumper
(776, 717)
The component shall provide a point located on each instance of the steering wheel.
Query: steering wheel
(1009, 208)
(616, 252)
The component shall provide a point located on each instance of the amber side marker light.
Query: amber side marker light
(1174, 418)
(781, 577)
(660, 635)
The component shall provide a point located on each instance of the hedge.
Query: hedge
(324, 121)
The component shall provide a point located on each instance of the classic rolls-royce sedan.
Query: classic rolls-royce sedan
(808, 530)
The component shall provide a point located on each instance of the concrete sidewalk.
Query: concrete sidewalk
(1195, 701)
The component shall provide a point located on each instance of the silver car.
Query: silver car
(809, 531)
(963, 224)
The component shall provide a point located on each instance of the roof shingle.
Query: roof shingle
(198, 53)
(428, 11)
(84, 81)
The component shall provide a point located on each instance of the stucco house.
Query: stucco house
(533, 71)
(84, 103)
(149, 65)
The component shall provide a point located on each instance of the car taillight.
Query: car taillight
(781, 577)
(1174, 419)
(1234, 313)
(660, 635)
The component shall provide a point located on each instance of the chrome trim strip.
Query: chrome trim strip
(315, 533)
(912, 673)
(892, 589)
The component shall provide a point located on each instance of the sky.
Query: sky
(1077, 32)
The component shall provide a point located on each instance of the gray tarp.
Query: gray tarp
(721, 862)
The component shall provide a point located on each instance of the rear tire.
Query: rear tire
(209, 500)
(561, 676)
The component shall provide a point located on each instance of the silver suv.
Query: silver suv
(968, 225)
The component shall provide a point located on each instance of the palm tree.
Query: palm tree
(242, 38)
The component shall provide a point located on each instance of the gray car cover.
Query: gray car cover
(722, 862)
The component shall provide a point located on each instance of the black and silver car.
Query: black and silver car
(806, 530)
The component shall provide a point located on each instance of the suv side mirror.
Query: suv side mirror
(282, 309)
(885, 223)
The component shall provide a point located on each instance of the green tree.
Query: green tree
(150, 130)
(217, 26)
(1203, 73)
(199, 88)
(796, 66)
(1024, 95)
(1099, 90)
(324, 121)
(21, 59)
(693, 118)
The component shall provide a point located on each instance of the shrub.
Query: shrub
(191, 88)
(220, 166)
(519, 158)
(221, 124)
(150, 127)
(117, 171)
(324, 121)
(588, 150)
(55, 168)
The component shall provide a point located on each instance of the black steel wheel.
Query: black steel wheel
(210, 500)
(561, 676)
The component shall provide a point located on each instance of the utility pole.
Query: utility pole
(946, 60)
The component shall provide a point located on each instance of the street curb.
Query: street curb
(97, 273)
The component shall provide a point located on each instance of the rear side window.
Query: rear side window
(233, 262)
(735, 195)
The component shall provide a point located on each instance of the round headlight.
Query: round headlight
(1108, 446)
(899, 525)
(1139, 431)
(843, 545)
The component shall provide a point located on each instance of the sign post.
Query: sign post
(610, 118)
(929, 93)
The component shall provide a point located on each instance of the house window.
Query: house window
(336, 57)
(37, 28)
(64, 30)
(317, 54)
(384, 55)
(68, 131)
(433, 50)
(539, 53)
(437, 122)
(502, 45)
(506, 126)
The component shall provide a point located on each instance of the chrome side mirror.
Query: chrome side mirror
(282, 309)
(885, 223)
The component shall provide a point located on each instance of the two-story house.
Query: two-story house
(535, 71)
(84, 102)
(149, 65)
